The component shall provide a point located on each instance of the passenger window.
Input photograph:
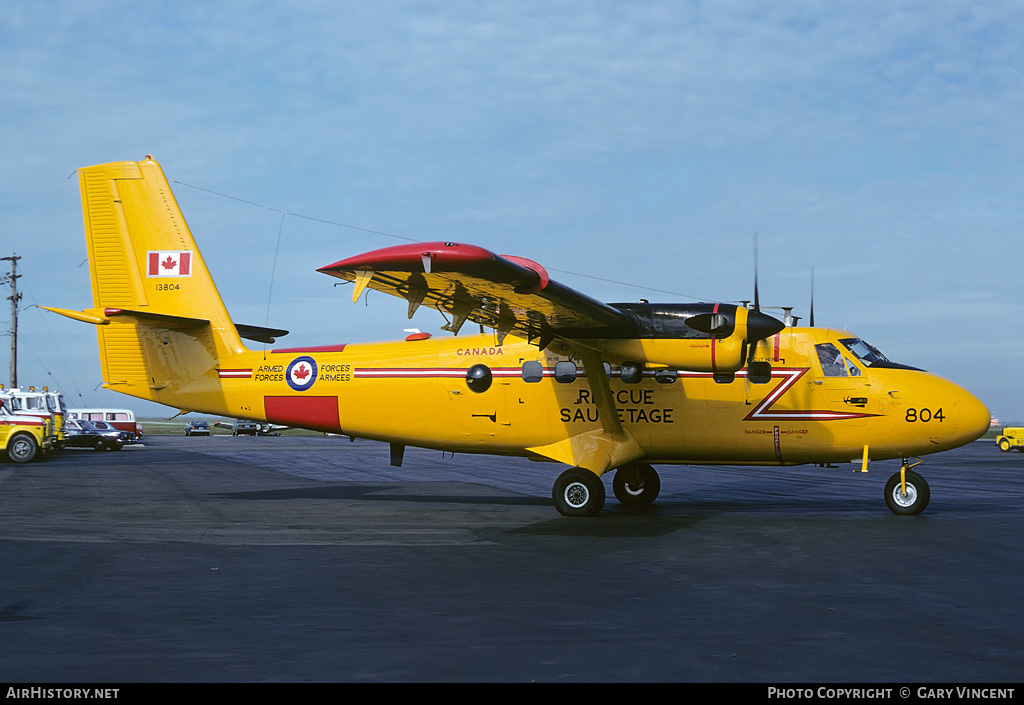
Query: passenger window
(631, 372)
(565, 372)
(665, 376)
(533, 371)
(831, 360)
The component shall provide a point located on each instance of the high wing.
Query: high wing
(466, 282)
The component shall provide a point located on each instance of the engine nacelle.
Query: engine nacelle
(711, 338)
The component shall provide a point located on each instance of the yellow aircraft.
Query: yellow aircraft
(561, 377)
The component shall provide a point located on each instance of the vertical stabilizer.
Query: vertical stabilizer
(164, 325)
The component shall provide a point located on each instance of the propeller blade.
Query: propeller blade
(760, 326)
(757, 301)
(812, 297)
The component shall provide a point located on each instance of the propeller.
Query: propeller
(760, 326)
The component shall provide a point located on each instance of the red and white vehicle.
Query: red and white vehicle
(122, 419)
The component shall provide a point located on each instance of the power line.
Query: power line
(409, 239)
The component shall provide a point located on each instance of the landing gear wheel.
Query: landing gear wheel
(578, 493)
(916, 498)
(636, 486)
(22, 448)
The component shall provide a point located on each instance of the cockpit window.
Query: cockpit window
(831, 359)
(864, 352)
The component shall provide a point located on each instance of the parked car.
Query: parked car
(79, 433)
(197, 428)
(127, 437)
(244, 427)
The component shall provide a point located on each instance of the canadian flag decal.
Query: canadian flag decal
(169, 264)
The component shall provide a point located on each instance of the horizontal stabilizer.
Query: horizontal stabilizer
(260, 334)
(83, 316)
(163, 320)
(102, 317)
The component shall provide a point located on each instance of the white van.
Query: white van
(123, 419)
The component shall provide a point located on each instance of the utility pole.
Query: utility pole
(14, 298)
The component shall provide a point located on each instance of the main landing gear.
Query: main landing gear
(636, 485)
(906, 492)
(580, 493)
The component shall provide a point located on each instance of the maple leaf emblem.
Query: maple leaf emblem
(168, 263)
(301, 372)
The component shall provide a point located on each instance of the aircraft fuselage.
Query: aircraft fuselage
(416, 393)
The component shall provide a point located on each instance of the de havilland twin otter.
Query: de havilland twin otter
(600, 388)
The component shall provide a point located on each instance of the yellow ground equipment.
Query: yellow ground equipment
(1011, 438)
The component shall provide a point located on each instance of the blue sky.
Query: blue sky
(879, 143)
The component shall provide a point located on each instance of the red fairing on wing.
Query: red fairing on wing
(542, 274)
(444, 256)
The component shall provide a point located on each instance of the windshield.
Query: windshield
(864, 352)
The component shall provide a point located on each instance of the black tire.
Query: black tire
(22, 448)
(1004, 445)
(918, 494)
(99, 444)
(578, 493)
(637, 486)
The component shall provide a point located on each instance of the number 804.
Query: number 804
(924, 415)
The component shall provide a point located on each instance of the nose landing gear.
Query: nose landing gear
(906, 492)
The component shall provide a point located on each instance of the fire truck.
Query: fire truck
(22, 437)
(42, 404)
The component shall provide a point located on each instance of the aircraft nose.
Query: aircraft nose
(974, 417)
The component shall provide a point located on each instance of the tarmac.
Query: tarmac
(311, 559)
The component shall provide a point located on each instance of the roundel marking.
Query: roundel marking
(301, 373)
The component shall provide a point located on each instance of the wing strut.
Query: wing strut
(597, 450)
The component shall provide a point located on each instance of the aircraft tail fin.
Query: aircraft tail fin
(161, 323)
